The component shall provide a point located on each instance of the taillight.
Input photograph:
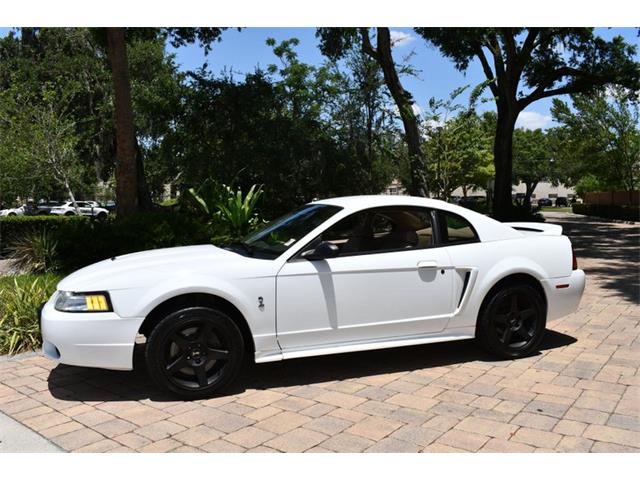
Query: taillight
(574, 265)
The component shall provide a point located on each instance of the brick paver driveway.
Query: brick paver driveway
(581, 393)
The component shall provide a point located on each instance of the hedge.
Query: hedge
(81, 241)
(13, 228)
(614, 212)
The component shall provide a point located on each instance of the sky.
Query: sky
(241, 52)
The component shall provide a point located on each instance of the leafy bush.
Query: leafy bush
(523, 213)
(518, 213)
(14, 228)
(588, 183)
(238, 212)
(35, 252)
(80, 241)
(232, 214)
(480, 207)
(20, 297)
(614, 212)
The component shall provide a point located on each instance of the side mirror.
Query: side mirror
(322, 251)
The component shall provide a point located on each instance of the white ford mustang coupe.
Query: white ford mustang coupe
(339, 275)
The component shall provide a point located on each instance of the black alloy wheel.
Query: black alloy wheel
(195, 352)
(513, 321)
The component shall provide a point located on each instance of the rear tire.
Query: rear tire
(195, 352)
(512, 322)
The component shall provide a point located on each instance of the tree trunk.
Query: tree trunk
(530, 187)
(126, 161)
(503, 162)
(72, 197)
(144, 196)
(404, 102)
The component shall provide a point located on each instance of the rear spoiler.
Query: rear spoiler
(536, 228)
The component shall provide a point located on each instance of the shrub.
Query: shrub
(231, 214)
(523, 213)
(35, 252)
(20, 297)
(80, 241)
(14, 228)
(480, 207)
(613, 212)
(82, 244)
(518, 213)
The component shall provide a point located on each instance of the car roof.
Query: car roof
(369, 201)
(488, 229)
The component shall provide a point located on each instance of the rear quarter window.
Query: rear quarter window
(455, 230)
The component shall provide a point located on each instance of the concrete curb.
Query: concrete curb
(19, 356)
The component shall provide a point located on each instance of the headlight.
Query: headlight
(83, 302)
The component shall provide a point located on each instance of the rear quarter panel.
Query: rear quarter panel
(542, 257)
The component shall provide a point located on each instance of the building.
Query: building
(542, 190)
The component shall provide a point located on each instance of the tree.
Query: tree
(66, 60)
(131, 187)
(74, 60)
(547, 61)
(598, 140)
(38, 137)
(457, 146)
(363, 123)
(301, 131)
(532, 160)
(127, 173)
(335, 44)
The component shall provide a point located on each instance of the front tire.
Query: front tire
(512, 322)
(195, 352)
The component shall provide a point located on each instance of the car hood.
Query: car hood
(149, 267)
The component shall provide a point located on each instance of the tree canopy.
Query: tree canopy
(524, 65)
(598, 139)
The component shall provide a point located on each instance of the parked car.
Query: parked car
(340, 275)
(88, 208)
(545, 202)
(10, 212)
(562, 202)
(474, 200)
(110, 205)
(44, 208)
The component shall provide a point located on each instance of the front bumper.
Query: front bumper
(102, 340)
(564, 294)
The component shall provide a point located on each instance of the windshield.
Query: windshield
(278, 236)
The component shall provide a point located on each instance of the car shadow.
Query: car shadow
(97, 385)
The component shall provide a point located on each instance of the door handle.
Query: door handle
(427, 264)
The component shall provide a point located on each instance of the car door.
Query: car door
(389, 280)
(82, 208)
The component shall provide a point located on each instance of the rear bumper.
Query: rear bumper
(564, 294)
(102, 340)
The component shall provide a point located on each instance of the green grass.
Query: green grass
(557, 209)
(20, 297)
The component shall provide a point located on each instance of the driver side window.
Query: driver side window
(378, 230)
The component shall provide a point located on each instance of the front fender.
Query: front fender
(260, 317)
(140, 302)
